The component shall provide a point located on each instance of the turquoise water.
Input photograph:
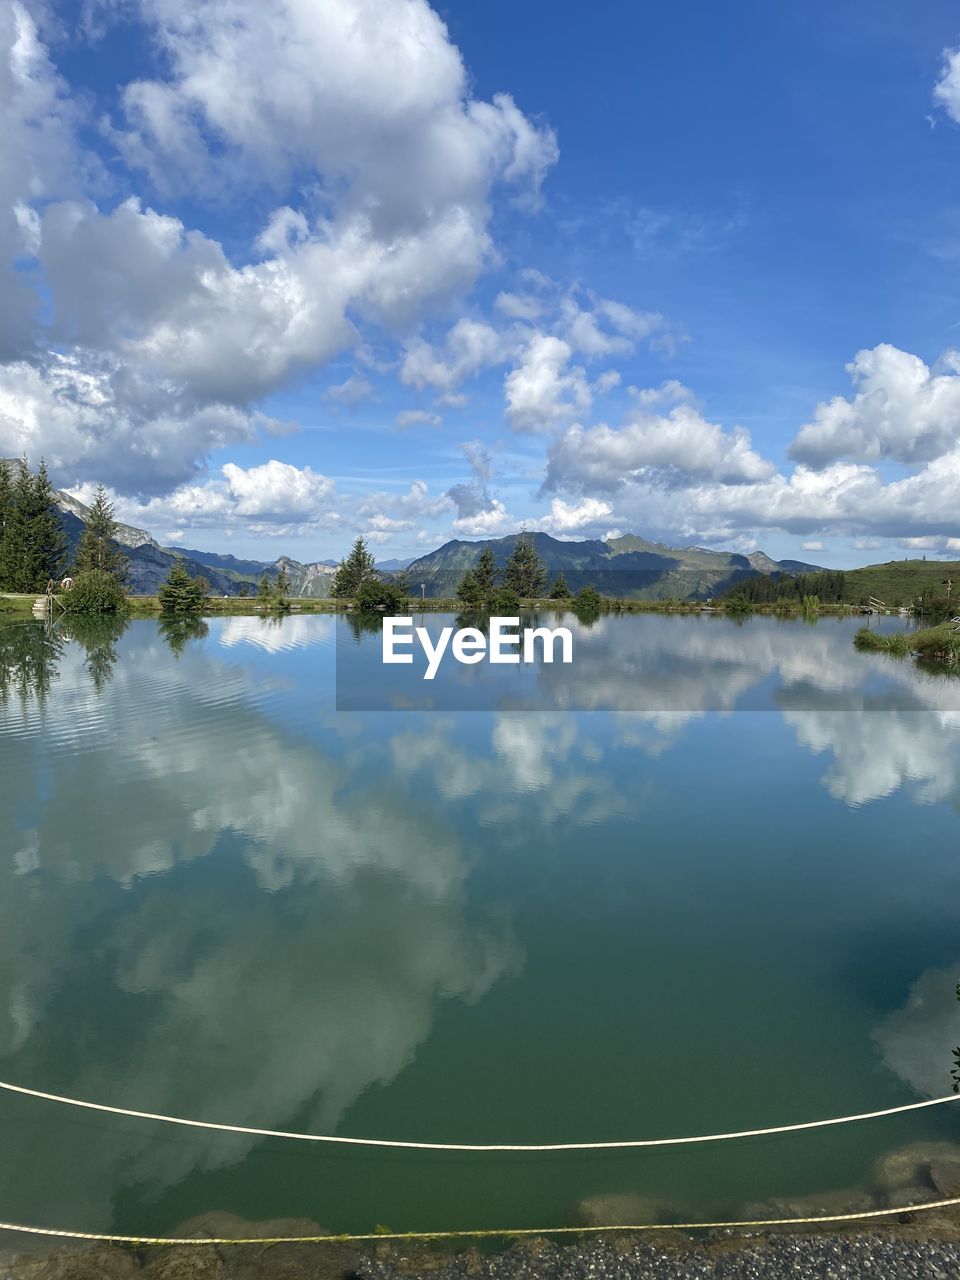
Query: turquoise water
(714, 884)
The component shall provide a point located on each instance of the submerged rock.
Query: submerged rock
(622, 1208)
(905, 1176)
(821, 1204)
(185, 1263)
(100, 1262)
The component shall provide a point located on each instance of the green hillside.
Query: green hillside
(916, 584)
(901, 582)
(628, 567)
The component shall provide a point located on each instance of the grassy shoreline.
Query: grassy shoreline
(938, 645)
(21, 606)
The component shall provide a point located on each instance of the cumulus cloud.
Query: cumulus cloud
(847, 498)
(947, 89)
(568, 518)
(37, 161)
(351, 392)
(605, 458)
(491, 520)
(370, 94)
(902, 410)
(418, 417)
(97, 419)
(353, 116)
(273, 498)
(545, 389)
(469, 347)
(391, 512)
(478, 511)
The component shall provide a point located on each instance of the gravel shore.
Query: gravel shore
(879, 1255)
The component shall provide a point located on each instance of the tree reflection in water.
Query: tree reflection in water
(97, 634)
(29, 661)
(179, 629)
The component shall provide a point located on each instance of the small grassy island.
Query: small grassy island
(938, 646)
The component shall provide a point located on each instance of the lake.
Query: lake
(704, 878)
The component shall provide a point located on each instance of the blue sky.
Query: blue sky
(279, 274)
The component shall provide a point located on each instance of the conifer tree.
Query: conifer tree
(356, 569)
(525, 573)
(485, 572)
(34, 543)
(6, 510)
(17, 539)
(560, 590)
(468, 592)
(48, 541)
(181, 593)
(97, 548)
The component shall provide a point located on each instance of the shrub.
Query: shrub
(181, 593)
(375, 594)
(502, 601)
(95, 591)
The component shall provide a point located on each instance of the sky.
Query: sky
(279, 274)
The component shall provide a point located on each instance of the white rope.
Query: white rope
(377, 1237)
(472, 1146)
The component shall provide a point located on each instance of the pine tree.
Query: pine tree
(6, 512)
(283, 581)
(560, 590)
(525, 573)
(181, 593)
(48, 541)
(17, 538)
(34, 543)
(354, 571)
(485, 572)
(468, 592)
(97, 548)
(264, 588)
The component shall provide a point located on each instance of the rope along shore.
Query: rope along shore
(471, 1146)
(488, 1233)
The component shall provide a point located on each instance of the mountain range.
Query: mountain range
(627, 566)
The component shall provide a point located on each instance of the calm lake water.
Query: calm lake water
(713, 884)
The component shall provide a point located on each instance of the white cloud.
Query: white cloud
(352, 116)
(543, 390)
(565, 518)
(37, 161)
(277, 489)
(947, 89)
(814, 545)
(519, 306)
(492, 520)
(669, 392)
(370, 94)
(417, 504)
(901, 410)
(469, 347)
(606, 382)
(351, 392)
(418, 417)
(273, 499)
(584, 329)
(95, 420)
(604, 458)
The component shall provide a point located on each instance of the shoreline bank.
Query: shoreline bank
(919, 1247)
